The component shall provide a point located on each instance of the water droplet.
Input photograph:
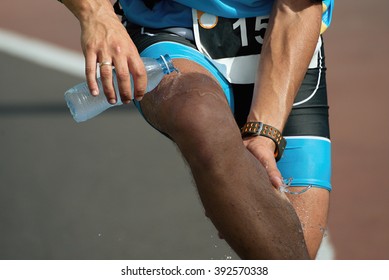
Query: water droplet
(287, 184)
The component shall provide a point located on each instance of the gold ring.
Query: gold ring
(105, 63)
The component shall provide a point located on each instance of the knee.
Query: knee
(200, 108)
(192, 109)
(201, 122)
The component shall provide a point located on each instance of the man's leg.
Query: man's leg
(306, 161)
(312, 210)
(253, 217)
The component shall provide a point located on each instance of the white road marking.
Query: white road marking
(42, 53)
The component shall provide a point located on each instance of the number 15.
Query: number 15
(260, 24)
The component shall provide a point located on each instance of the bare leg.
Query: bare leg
(312, 210)
(234, 188)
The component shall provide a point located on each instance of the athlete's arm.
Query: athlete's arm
(289, 44)
(104, 39)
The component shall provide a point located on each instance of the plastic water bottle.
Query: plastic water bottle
(84, 106)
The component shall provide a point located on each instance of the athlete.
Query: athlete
(247, 108)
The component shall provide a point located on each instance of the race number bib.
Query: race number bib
(233, 45)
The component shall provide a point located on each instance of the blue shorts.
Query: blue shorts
(176, 50)
(307, 157)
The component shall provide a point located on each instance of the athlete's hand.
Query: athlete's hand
(263, 149)
(105, 40)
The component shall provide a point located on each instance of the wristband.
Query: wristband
(251, 129)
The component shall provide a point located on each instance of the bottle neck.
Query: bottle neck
(166, 64)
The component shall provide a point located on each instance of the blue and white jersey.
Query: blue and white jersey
(172, 13)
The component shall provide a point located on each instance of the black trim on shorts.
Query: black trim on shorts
(142, 40)
(310, 118)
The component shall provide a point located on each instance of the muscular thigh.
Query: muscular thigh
(190, 94)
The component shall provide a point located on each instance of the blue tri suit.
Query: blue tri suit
(154, 29)
(168, 13)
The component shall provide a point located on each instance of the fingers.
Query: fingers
(123, 80)
(139, 76)
(107, 44)
(123, 67)
(91, 62)
(90, 73)
(107, 80)
(273, 172)
(263, 150)
(266, 158)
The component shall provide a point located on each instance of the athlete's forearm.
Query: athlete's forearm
(289, 44)
(85, 9)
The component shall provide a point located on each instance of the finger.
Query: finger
(106, 80)
(270, 165)
(123, 80)
(261, 149)
(274, 174)
(90, 73)
(139, 76)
